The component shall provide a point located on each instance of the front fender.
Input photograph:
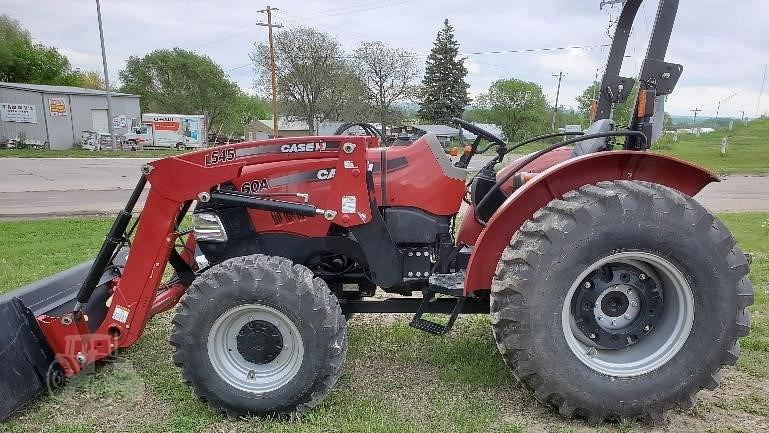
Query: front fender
(567, 176)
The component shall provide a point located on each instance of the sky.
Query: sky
(721, 44)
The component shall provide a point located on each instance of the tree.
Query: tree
(180, 81)
(347, 99)
(667, 121)
(23, 61)
(621, 113)
(387, 75)
(90, 80)
(244, 110)
(518, 107)
(309, 65)
(444, 90)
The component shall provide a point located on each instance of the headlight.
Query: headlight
(208, 227)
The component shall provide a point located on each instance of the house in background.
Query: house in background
(262, 129)
(494, 129)
(444, 133)
(56, 116)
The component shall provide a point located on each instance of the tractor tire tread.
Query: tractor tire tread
(285, 276)
(517, 266)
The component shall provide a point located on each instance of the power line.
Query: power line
(364, 7)
(536, 50)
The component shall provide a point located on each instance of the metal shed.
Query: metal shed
(57, 115)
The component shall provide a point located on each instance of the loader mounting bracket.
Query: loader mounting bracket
(665, 75)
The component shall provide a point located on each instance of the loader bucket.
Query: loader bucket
(26, 359)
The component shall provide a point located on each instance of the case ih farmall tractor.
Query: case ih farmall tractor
(613, 294)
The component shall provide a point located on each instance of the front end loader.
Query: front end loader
(612, 293)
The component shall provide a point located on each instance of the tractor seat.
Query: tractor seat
(594, 144)
(444, 160)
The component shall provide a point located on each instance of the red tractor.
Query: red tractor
(612, 293)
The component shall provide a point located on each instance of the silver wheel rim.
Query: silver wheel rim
(247, 376)
(664, 341)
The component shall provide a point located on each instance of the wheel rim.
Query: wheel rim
(232, 348)
(659, 343)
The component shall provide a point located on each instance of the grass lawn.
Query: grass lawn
(80, 153)
(396, 378)
(748, 151)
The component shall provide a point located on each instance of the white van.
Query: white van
(175, 131)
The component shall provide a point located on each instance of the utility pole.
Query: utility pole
(761, 94)
(269, 26)
(694, 128)
(110, 126)
(557, 96)
(721, 102)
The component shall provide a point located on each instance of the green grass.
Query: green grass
(80, 153)
(748, 151)
(396, 379)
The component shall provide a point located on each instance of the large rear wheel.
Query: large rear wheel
(621, 301)
(259, 335)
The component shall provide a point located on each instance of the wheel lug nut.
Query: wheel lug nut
(588, 284)
(592, 352)
(627, 316)
(647, 328)
(592, 336)
(642, 277)
(613, 321)
(634, 304)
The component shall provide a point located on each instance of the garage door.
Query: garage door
(99, 121)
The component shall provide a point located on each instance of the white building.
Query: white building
(56, 116)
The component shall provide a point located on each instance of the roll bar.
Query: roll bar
(657, 77)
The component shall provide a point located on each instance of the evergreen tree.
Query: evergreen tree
(444, 90)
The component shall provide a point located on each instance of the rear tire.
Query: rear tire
(259, 335)
(552, 330)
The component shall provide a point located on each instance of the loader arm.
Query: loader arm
(174, 183)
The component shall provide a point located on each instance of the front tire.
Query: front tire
(258, 335)
(621, 301)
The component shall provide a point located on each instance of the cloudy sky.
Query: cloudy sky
(722, 45)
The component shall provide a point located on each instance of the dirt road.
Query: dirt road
(38, 187)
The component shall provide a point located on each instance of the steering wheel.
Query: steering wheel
(479, 132)
(368, 128)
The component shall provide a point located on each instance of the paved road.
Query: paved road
(34, 187)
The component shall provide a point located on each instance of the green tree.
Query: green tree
(90, 80)
(667, 122)
(180, 81)
(622, 112)
(347, 99)
(444, 89)
(518, 107)
(244, 110)
(309, 65)
(22, 61)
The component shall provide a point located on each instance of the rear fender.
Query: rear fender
(567, 176)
